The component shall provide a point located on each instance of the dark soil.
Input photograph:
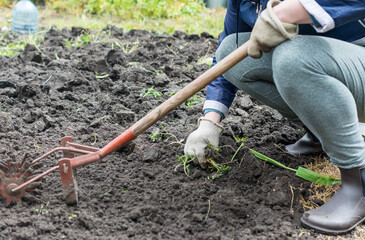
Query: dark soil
(92, 93)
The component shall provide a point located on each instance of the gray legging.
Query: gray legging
(313, 80)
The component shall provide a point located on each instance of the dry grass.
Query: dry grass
(317, 193)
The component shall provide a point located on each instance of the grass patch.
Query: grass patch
(206, 20)
(319, 194)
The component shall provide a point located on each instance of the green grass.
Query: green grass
(9, 47)
(193, 20)
(207, 20)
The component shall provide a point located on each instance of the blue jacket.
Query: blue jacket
(340, 19)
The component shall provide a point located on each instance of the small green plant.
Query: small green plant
(72, 216)
(133, 64)
(98, 76)
(172, 94)
(36, 146)
(98, 36)
(221, 168)
(151, 92)
(205, 60)
(128, 47)
(238, 140)
(195, 99)
(108, 192)
(5, 111)
(10, 47)
(185, 161)
(42, 210)
(217, 149)
(153, 71)
(158, 135)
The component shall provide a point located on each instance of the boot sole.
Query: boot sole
(328, 231)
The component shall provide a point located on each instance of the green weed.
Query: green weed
(185, 161)
(42, 210)
(72, 216)
(98, 76)
(195, 99)
(5, 111)
(238, 140)
(205, 60)
(158, 135)
(36, 146)
(151, 92)
(10, 47)
(153, 71)
(133, 64)
(108, 192)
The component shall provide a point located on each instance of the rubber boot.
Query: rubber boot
(345, 210)
(308, 144)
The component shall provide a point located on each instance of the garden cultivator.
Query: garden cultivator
(17, 179)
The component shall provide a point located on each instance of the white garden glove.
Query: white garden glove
(269, 31)
(207, 132)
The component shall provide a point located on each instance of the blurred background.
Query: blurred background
(190, 16)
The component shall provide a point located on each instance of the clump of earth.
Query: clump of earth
(92, 92)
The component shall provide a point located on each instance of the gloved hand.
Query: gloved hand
(207, 132)
(269, 31)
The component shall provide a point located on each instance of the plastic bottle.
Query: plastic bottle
(25, 17)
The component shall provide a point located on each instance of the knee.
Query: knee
(225, 48)
(228, 45)
(292, 61)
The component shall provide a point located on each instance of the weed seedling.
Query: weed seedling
(42, 210)
(72, 216)
(5, 111)
(133, 64)
(238, 140)
(157, 136)
(195, 99)
(153, 71)
(205, 60)
(36, 146)
(185, 161)
(108, 192)
(151, 92)
(98, 76)
(217, 167)
(129, 47)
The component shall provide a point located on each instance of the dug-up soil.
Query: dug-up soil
(93, 92)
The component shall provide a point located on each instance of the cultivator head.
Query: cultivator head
(14, 174)
(17, 179)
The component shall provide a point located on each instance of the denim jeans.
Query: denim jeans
(311, 80)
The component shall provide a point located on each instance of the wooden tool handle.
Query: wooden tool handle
(190, 89)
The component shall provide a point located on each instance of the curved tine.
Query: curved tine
(25, 158)
(35, 178)
(4, 167)
(71, 149)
